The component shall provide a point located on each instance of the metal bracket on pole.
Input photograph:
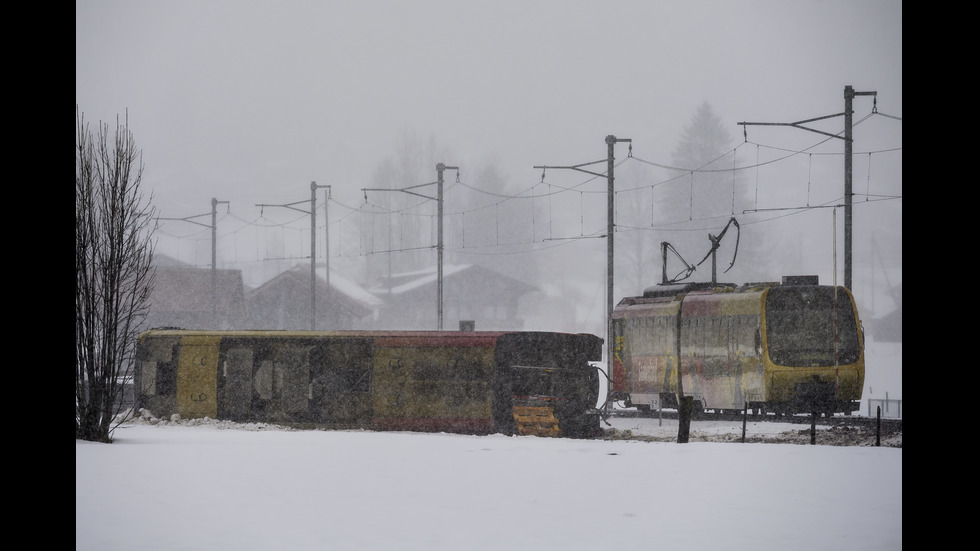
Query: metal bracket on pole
(440, 168)
(214, 251)
(611, 142)
(312, 212)
(849, 94)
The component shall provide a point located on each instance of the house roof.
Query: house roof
(178, 287)
(301, 273)
(409, 281)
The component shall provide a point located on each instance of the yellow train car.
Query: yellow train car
(791, 347)
(467, 382)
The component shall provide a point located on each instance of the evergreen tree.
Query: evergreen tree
(702, 201)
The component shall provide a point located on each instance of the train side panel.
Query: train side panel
(720, 354)
(433, 385)
(464, 382)
(646, 353)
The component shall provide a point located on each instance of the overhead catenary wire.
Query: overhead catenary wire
(552, 194)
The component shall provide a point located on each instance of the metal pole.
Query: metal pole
(439, 246)
(214, 262)
(610, 248)
(849, 95)
(326, 231)
(848, 168)
(610, 227)
(313, 188)
(312, 255)
(214, 252)
(439, 168)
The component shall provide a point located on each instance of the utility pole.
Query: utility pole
(610, 159)
(440, 168)
(312, 213)
(214, 252)
(849, 94)
(848, 138)
(439, 247)
(313, 188)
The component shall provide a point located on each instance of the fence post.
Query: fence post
(878, 428)
(745, 415)
(813, 427)
(684, 419)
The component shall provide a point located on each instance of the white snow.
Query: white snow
(256, 487)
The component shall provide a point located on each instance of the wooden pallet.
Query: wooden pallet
(536, 421)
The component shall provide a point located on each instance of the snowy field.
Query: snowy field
(220, 486)
(203, 487)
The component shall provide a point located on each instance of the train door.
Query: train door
(735, 388)
(156, 373)
(197, 377)
(281, 382)
(692, 359)
(340, 381)
(236, 383)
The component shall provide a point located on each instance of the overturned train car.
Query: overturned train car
(790, 347)
(467, 382)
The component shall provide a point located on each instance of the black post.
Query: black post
(745, 416)
(684, 419)
(813, 427)
(878, 429)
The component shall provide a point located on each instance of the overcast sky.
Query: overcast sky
(249, 101)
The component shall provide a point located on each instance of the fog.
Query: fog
(248, 102)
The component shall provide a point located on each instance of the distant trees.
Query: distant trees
(708, 196)
(397, 227)
(113, 274)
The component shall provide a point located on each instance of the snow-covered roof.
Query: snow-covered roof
(348, 287)
(420, 278)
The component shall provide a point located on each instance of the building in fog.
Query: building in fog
(283, 302)
(187, 297)
(470, 293)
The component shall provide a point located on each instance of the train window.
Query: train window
(532, 381)
(641, 337)
(263, 380)
(747, 335)
(804, 323)
(148, 378)
(237, 375)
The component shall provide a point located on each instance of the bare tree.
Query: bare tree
(113, 273)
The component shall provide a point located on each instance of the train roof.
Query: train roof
(431, 335)
(674, 289)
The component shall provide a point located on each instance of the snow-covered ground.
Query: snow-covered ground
(239, 487)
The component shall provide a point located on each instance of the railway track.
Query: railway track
(888, 425)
